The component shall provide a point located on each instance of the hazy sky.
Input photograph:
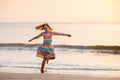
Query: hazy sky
(60, 10)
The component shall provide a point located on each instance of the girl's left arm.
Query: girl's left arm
(36, 37)
(61, 34)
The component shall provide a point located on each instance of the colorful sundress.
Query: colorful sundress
(46, 50)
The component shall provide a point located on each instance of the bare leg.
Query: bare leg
(43, 65)
(50, 59)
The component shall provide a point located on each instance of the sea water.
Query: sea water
(21, 58)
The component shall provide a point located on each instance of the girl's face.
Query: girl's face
(46, 28)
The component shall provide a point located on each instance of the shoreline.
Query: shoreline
(108, 47)
(49, 76)
(98, 73)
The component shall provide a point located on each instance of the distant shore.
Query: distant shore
(65, 46)
(31, 76)
(93, 48)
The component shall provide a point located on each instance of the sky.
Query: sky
(59, 11)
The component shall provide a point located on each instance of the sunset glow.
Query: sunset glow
(60, 10)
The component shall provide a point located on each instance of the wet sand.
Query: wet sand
(46, 76)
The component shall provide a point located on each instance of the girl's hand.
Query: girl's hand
(29, 40)
(69, 35)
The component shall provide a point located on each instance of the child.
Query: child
(46, 50)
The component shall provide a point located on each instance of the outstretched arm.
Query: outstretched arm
(36, 37)
(61, 34)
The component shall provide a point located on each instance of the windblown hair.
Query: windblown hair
(41, 27)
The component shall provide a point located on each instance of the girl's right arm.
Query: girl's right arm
(62, 34)
(36, 37)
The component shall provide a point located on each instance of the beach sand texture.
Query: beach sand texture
(28, 76)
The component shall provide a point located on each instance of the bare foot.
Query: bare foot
(42, 71)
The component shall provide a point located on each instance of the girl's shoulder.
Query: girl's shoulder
(42, 33)
(52, 33)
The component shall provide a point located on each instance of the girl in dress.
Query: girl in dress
(46, 50)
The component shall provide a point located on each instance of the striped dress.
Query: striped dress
(46, 50)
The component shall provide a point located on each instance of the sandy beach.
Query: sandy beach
(46, 76)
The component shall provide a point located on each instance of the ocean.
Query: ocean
(94, 48)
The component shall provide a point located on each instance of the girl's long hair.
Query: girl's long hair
(41, 27)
